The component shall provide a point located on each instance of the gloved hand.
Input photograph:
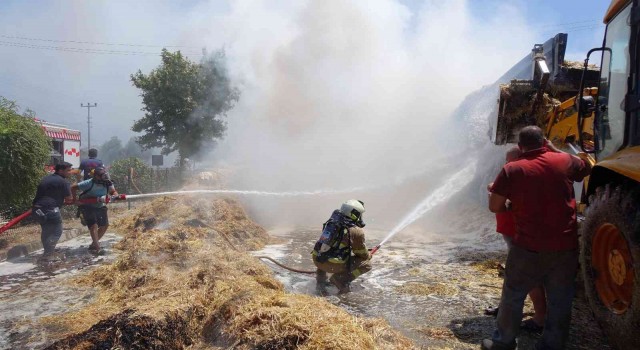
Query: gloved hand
(118, 197)
(104, 199)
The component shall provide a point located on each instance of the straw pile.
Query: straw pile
(489, 265)
(187, 286)
(417, 288)
(519, 97)
(578, 65)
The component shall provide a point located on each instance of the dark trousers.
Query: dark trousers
(525, 270)
(51, 225)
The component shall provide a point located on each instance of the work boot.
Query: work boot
(488, 344)
(343, 287)
(321, 277)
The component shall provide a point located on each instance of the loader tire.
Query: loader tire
(610, 261)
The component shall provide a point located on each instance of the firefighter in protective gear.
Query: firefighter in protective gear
(341, 249)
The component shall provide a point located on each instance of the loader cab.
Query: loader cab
(616, 124)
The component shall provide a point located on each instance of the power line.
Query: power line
(87, 50)
(90, 42)
(574, 29)
(562, 24)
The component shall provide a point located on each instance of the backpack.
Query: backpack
(333, 231)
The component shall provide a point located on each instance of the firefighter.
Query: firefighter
(341, 249)
(95, 214)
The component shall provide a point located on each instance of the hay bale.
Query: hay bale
(186, 278)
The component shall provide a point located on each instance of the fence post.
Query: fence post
(129, 182)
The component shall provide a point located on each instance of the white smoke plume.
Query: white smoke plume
(340, 94)
(336, 94)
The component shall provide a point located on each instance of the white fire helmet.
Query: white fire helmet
(353, 209)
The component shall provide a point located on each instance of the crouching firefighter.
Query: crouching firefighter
(341, 249)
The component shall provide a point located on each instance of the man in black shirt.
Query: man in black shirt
(53, 191)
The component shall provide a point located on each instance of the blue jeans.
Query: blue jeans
(51, 225)
(525, 270)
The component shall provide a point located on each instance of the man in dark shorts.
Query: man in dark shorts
(95, 214)
(53, 191)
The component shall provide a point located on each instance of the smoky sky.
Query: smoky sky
(334, 94)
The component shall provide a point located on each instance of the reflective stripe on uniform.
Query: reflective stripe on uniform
(336, 260)
(356, 273)
(360, 251)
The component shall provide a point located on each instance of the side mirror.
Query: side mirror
(586, 106)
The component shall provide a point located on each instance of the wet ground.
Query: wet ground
(31, 289)
(431, 288)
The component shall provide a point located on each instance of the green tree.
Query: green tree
(25, 151)
(184, 103)
(141, 179)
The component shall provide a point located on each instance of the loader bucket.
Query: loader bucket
(516, 110)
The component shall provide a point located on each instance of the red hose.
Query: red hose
(15, 220)
(22, 216)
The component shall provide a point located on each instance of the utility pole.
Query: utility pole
(88, 106)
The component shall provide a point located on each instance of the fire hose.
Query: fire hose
(102, 199)
(371, 252)
(120, 197)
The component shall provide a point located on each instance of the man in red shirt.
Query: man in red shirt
(506, 225)
(545, 246)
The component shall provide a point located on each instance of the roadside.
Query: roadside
(24, 238)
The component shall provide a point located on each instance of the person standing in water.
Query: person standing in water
(341, 249)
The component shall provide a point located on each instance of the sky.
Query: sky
(334, 94)
(54, 83)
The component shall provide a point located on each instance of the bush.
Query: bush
(142, 175)
(25, 151)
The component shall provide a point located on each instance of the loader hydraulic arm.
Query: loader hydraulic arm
(561, 124)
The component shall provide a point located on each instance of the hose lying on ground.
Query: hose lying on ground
(284, 266)
(233, 246)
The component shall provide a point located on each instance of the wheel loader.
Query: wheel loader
(583, 108)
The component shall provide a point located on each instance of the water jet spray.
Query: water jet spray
(443, 193)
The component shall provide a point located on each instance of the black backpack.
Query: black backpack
(333, 231)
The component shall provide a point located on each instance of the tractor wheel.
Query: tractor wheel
(610, 260)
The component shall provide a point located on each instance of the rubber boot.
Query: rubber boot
(343, 286)
(321, 277)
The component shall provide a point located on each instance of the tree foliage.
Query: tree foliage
(113, 150)
(25, 151)
(184, 103)
(142, 175)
